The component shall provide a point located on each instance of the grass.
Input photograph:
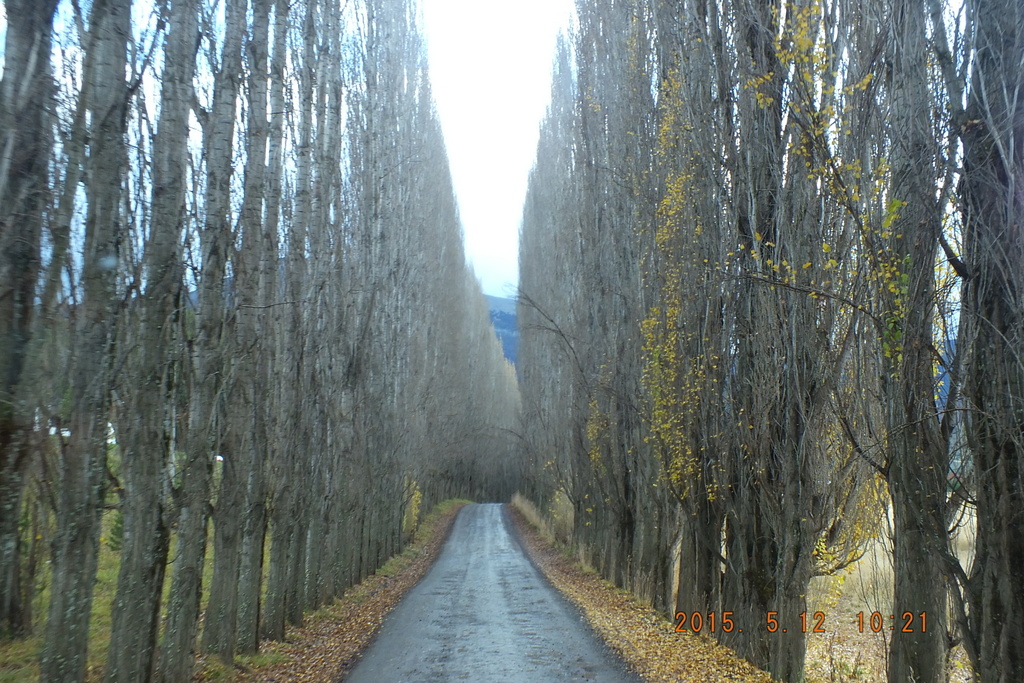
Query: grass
(214, 669)
(845, 655)
(19, 659)
(554, 527)
(331, 638)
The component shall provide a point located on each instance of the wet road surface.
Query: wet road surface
(484, 613)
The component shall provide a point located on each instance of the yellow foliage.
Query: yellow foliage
(674, 383)
(597, 429)
(412, 508)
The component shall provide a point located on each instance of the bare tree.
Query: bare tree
(302, 353)
(992, 210)
(84, 459)
(145, 433)
(25, 105)
(918, 463)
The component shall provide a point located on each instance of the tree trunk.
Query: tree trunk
(254, 533)
(754, 548)
(918, 464)
(221, 616)
(147, 441)
(210, 434)
(250, 573)
(83, 465)
(993, 194)
(275, 606)
(25, 146)
(179, 643)
(700, 575)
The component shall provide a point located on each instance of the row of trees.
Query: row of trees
(771, 280)
(232, 290)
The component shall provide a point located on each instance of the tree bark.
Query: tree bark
(993, 203)
(25, 147)
(83, 462)
(145, 437)
(919, 460)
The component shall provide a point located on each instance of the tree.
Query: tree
(153, 373)
(272, 319)
(918, 462)
(774, 280)
(84, 458)
(25, 99)
(992, 208)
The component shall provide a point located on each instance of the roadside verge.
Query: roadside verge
(646, 640)
(331, 639)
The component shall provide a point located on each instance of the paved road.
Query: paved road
(484, 613)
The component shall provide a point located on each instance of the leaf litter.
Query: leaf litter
(331, 640)
(643, 638)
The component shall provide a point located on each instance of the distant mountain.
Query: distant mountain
(503, 316)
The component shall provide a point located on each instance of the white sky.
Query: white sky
(490, 69)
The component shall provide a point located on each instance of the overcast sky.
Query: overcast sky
(490, 66)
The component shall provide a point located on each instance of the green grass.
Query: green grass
(211, 669)
(19, 659)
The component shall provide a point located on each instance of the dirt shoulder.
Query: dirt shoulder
(641, 636)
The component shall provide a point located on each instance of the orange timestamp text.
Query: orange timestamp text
(806, 622)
